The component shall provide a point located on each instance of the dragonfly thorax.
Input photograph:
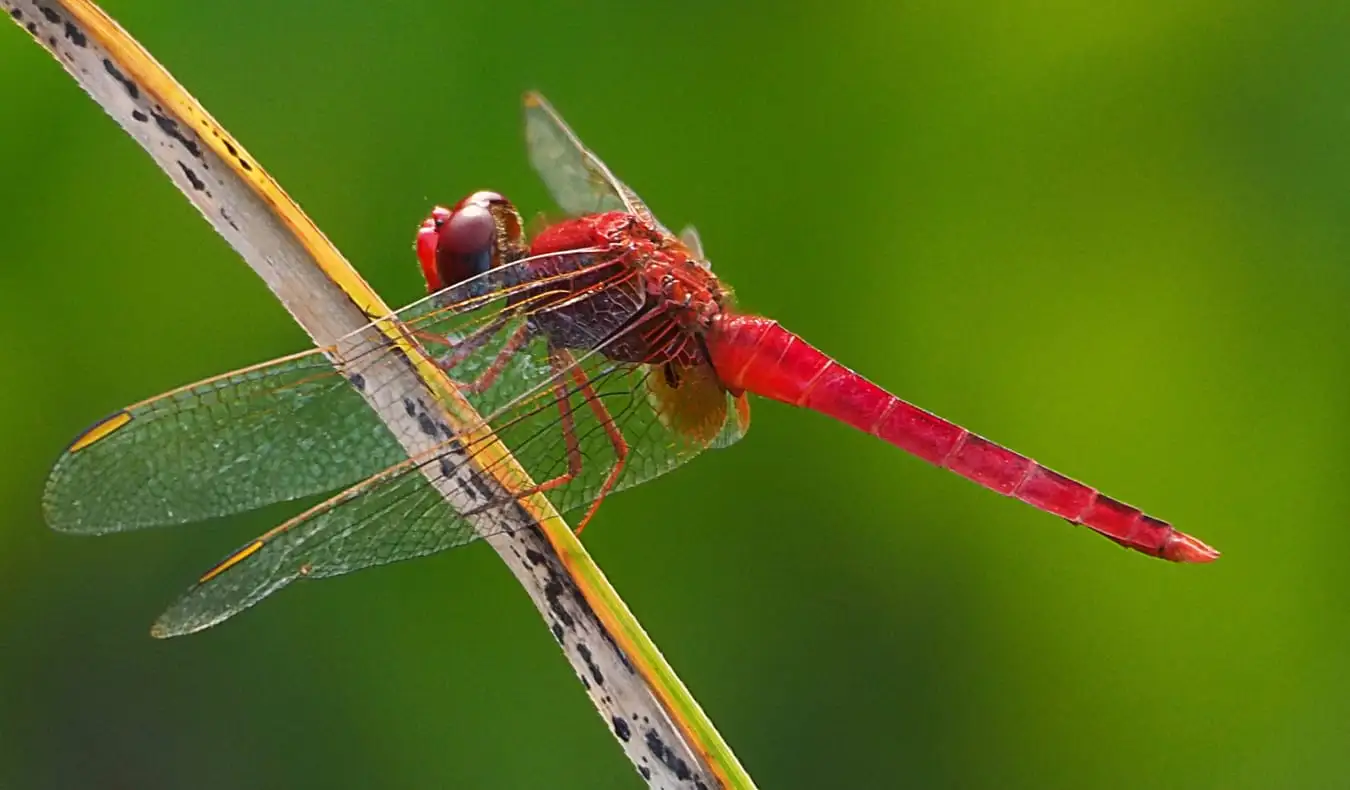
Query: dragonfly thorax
(616, 269)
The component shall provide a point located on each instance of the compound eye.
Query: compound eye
(457, 244)
(465, 244)
(469, 230)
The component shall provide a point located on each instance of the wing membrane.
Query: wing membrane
(627, 423)
(273, 432)
(579, 182)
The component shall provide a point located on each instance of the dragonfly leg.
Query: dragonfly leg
(569, 428)
(615, 437)
(472, 344)
(564, 365)
(462, 348)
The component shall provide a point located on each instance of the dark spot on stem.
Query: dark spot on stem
(534, 557)
(448, 471)
(356, 379)
(586, 655)
(646, 772)
(409, 407)
(553, 591)
(621, 728)
(127, 84)
(50, 15)
(76, 36)
(668, 757)
(170, 127)
(196, 182)
(140, 116)
(557, 632)
(476, 482)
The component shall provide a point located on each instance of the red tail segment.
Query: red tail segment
(757, 355)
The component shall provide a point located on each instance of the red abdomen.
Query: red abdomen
(757, 355)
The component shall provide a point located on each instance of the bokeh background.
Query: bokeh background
(1115, 238)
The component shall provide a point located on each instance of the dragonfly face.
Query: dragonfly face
(481, 232)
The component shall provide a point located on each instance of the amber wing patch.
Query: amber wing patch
(689, 400)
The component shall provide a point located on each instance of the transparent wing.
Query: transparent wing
(689, 236)
(579, 182)
(583, 427)
(277, 431)
(274, 432)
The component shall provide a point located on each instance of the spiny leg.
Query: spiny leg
(519, 336)
(564, 364)
(569, 428)
(616, 438)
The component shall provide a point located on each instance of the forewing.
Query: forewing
(579, 182)
(273, 432)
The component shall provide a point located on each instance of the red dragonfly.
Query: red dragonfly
(603, 352)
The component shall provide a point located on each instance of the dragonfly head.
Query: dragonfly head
(478, 233)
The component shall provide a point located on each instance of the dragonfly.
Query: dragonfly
(603, 352)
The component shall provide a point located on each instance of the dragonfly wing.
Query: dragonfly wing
(395, 515)
(273, 432)
(581, 425)
(579, 181)
(689, 235)
(277, 431)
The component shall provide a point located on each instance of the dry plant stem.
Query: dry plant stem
(326, 297)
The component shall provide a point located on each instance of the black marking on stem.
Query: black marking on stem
(646, 772)
(585, 653)
(536, 559)
(661, 751)
(557, 631)
(17, 14)
(170, 127)
(621, 729)
(409, 407)
(357, 380)
(476, 481)
(196, 182)
(448, 471)
(553, 591)
(75, 36)
(140, 116)
(585, 606)
(127, 85)
(50, 15)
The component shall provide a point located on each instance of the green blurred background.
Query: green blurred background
(1115, 239)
